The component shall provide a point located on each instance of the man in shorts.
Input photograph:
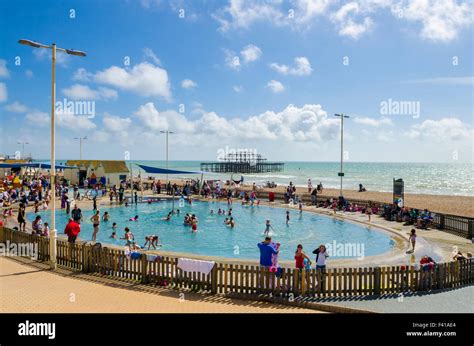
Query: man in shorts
(72, 230)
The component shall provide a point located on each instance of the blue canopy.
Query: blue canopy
(45, 165)
(157, 170)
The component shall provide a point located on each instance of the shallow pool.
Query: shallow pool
(213, 238)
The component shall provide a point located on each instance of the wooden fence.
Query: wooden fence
(249, 279)
(457, 225)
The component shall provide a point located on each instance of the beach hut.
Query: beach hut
(110, 171)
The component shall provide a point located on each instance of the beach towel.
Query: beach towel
(152, 258)
(198, 266)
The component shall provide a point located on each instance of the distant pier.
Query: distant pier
(242, 162)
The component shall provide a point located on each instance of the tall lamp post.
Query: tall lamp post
(80, 145)
(54, 49)
(23, 148)
(167, 133)
(341, 172)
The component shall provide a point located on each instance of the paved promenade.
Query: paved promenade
(27, 288)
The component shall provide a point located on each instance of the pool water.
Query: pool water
(213, 238)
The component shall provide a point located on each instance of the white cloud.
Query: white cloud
(445, 129)
(373, 122)
(4, 73)
(242, 14)
(144, 79)
(302, 67)
(275, 86)
(83, 92)
(71, 121)
(149, 54)
(238, 88)
(115, 123)
(308, 123)
(37, 118)
(441, 20)
(65, 119)
(345, 19)
(250, 53)
(188, 84)
(82, 75)
(62, 58)
(3, 92)
(16, 107)
(151, 118)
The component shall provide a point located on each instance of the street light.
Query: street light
(341, 172)
(80, 145)
(53, 232)
(22, 148)
(167, 133)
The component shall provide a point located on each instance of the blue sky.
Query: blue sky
(157, 65)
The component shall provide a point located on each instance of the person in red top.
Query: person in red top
(300, 256)
(72, 230)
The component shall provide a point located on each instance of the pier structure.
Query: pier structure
(242, 162)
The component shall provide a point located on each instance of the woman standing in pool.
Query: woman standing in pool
(369, 211)
(129, 237)
(96, 222)
(412, 239)
(194, 223)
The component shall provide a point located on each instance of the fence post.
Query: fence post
(214, 279)
(470, 229)
(441, 221)
(85, 258)
(144, 269)
(377, 276)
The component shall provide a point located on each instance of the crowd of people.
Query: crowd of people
(36, 192)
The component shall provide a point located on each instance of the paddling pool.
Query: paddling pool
(213, 238)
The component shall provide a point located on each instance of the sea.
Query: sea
(425, 178)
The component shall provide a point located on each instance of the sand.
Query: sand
(454, 205)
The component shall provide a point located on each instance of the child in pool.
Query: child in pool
(287, 217)
(268, 226)
(106, 216)
(151, 240)
(114, 225)
(168, 217)
(226, 221)
(219, 211)
(133, 218)
(113, 235)
(300, 207)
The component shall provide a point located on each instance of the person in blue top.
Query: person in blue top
(266, 252)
